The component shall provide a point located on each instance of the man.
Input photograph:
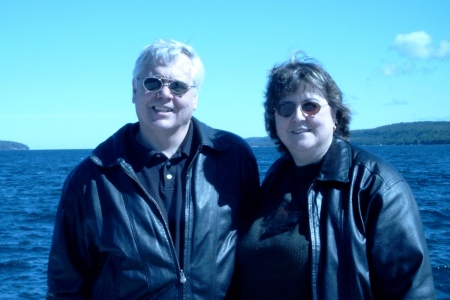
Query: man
(153, 212)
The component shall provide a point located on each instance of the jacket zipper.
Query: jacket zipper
(182, 278)
(314, 252)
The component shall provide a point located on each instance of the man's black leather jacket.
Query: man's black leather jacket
(111, 241)
(367, 235)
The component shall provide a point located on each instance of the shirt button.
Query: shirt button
(168, 163)
(169, 176)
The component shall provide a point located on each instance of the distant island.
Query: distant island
(414, 133)
(8, 145)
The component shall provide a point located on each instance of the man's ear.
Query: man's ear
(133, 85)
(196, 101)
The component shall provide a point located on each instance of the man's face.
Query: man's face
(163, 113)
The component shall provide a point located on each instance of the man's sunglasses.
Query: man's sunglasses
(287, 108)
(176, 87)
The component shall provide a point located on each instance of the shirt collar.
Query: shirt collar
(140, 155)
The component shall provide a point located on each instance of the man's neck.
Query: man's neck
(164, 141)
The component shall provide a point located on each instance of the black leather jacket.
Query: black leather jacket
(367, 235)
(110, 240)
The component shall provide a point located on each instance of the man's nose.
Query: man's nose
(165, 92)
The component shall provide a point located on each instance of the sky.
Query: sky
(66, 66)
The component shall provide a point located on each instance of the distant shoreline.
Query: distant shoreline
(415, 133)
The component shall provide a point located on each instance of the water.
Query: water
(31, 181)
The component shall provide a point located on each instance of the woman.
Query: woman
(335, 222)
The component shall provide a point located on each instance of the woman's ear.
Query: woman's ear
(334, 115)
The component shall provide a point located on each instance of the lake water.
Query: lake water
(31, 181)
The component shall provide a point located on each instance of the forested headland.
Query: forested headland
(414, 133)
(8, 145)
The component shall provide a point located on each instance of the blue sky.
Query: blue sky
(65, 66)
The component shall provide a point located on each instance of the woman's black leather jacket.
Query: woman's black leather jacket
(367, 235)
(111, 241)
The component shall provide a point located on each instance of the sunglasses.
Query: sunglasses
(287, 108)
(176, 87)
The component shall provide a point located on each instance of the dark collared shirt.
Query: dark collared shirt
(165, 180)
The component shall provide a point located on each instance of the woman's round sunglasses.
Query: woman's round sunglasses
(287, 108)
(176, 87)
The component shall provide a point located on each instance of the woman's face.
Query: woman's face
(307, 137)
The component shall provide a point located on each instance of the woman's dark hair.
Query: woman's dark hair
(286, 78)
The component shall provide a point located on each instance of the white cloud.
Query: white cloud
(396, 69)
(419, 44)
(397, 102)
(443, 50)
(389, 69)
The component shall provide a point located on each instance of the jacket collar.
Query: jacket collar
(113, 150)
(336, 162)
(335, 165)
(210, 137)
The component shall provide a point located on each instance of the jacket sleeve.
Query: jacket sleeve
(398, 256)
(251, 185)
(70, 270)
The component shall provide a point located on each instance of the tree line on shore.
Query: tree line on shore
(414, 133)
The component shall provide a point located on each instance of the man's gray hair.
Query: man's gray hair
(164, 53)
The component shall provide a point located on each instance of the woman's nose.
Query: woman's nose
(299, 114)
